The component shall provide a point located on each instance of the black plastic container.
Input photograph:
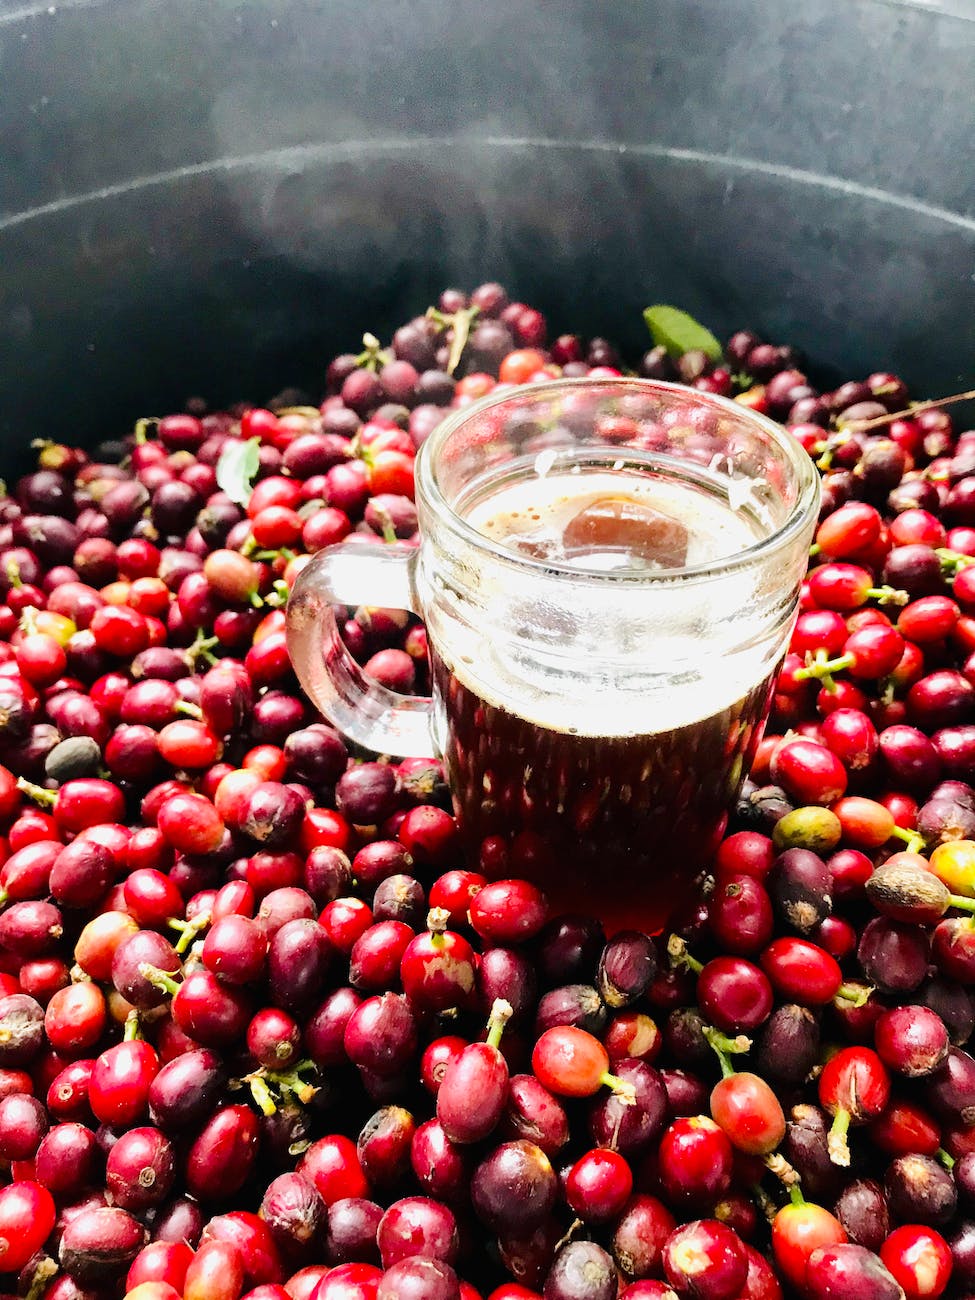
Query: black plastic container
(211, 197)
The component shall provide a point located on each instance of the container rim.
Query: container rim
(797, 458)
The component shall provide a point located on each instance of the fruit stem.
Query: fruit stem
(625, 1091)
(724, 1047)
(201, 648)
(190, 710)
(947, 1160)
(159, 978)
(888, 595)
(133, 1029)
(437, 919)
(43, 1273)
(501, 1013)
(836, 1143)
(46, 798)
(679, 956)
(858, 426)
(188, 930)
(460, 322)
(913, 841)
(823, 668)
(856, 994)
(963, 904)
(374, 356)
(28, 619)
(778, 1165)
(952, 561)
(261, 1094)
(142, 428)
(291, 1081)
(795, 1194)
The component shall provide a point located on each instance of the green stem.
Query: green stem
(142, 428)
(822, 667)
(836, 1143)
(46, 1270)
(460, 322)
(262, 1094)
(963, 904)
(374, 355)
(291, 1081)
(913, 841)
(795, 1195)
(724, 1048)
(947, 1160)
(200, 649)
(188, 709)
(159, 979)
(952, 561)
(625, 1091)
(188, 930)
(680, 957)
(857, 994)
(133, 1029)
(501, 1013)
(46, 798)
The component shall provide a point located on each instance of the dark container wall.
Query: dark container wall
(210, 197)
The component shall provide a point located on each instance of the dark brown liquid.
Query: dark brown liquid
(618, 826)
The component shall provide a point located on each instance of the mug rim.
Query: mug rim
(807, 480)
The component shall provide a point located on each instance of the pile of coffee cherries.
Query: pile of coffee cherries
(266, 1035)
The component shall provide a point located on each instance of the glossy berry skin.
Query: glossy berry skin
(598, 1185)
(801, 971)
(705, 1260)
(855, 1082)
(746, 1108)
(120, 1082)
(911, 1040)
(695, 1161)
(734, 995)
(437, 970)
(472, 1094)
(332, 1165)
(919, 1260)
(417, 1225)
(570, 1062)
(848, 1270)
(27, 1217)
(797, 1231)
(810, 773)
(508, 911)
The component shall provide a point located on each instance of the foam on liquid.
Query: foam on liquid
(686, 666)
(532, 516)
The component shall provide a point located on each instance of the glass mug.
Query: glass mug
(596, 705)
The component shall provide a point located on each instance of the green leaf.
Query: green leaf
(237, 467)
(679, 333)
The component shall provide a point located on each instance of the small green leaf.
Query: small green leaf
(679, 333)
(238, 464)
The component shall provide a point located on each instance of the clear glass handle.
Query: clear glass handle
(369, 714)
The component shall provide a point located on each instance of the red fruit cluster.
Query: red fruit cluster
(264, 1035)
